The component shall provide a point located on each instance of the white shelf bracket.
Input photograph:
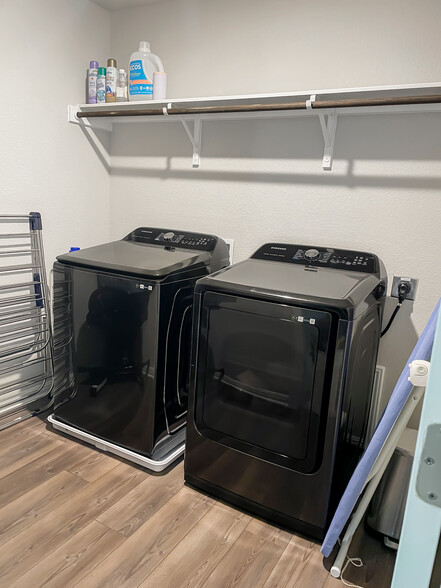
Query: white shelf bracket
(99, 125)
(311, 101)
(329, 127)
(195, 138)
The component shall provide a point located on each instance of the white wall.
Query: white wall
(46, 164)
(223, 47)
(262, 181)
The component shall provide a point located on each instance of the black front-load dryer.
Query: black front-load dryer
(284, 356)
(122, 336)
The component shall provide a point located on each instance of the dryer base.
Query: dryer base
(253, 508)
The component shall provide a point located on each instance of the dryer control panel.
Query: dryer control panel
(172, 238)
(313, 256)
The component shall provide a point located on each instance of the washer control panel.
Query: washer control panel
(172, 238)
(313, 256)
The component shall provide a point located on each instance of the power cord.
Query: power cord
(355, 561)
(403, 290)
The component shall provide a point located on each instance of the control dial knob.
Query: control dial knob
(168, 236)
(312, 254)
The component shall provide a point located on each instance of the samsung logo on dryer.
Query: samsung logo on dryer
(279, 248)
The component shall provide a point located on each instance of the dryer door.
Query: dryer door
(261, 385)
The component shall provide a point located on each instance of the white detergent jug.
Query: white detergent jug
(141, 67)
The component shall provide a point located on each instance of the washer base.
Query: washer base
(150, 464)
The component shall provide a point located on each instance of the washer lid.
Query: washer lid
(139, 259)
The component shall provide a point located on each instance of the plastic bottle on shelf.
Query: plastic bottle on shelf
(111, 79)
(91, 82)
(121, 86)
(143, 63)
(159, 85)
(101, 85)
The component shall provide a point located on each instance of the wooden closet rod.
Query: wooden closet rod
(338, 103)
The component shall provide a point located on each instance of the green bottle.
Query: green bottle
(101, 86)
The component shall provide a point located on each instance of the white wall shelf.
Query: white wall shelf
(326, 105)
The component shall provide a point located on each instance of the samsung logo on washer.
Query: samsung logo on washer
(279, 248)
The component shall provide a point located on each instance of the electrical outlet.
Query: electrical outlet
(413, 283)
(230, 245)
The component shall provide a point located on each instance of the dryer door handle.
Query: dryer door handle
(262, 393)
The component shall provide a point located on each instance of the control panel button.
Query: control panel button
(312, 254)
(169, 236)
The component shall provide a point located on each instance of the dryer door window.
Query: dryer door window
(261, 377)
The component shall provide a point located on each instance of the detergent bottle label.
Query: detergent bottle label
(139, 83)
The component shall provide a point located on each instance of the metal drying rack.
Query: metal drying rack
(26, 356)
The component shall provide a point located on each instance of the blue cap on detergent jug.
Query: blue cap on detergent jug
(74, 249)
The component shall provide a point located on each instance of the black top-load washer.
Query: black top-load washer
(284, 358)
(122, 315)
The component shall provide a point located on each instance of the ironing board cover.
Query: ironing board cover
(422, 350)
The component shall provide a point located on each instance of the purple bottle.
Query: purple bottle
(92, 75)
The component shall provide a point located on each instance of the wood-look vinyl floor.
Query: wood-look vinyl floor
(71, 516)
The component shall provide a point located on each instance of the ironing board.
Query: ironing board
(380, 449)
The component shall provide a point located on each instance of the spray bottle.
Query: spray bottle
(111, 80)
(101, 85)
(91, 82)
